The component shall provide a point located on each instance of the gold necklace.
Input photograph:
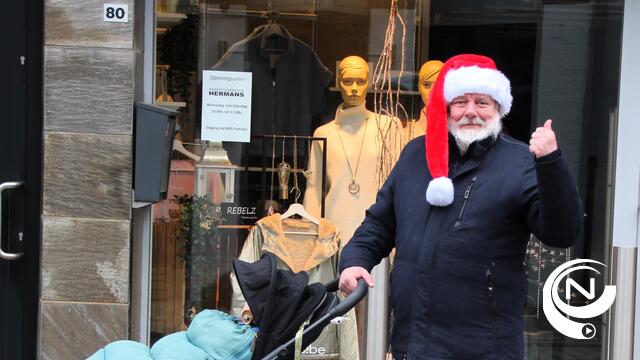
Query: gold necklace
(354, 187)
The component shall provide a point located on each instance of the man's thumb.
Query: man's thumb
(547, 124)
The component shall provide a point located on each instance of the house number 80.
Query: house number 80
(116, 12)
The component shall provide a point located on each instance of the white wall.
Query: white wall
(627, 178)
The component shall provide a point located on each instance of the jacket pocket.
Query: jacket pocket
(467, 194)
(492, 300)
(461, 321)
(459, 300)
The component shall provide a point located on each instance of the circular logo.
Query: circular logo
(558, 311)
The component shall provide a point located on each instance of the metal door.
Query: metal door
(20, 175)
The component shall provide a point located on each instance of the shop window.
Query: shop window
(218, 191)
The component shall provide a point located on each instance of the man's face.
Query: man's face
(354, 84)
(473, 117)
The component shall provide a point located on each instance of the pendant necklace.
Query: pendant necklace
(354, 187)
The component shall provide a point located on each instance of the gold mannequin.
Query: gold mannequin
(426, 77)
(353, 139)
(352, 156)
(353, 80)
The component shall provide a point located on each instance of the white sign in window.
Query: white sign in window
(226, 106)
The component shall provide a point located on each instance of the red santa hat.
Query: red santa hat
(461, 74)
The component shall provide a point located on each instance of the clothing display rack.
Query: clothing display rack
(261, 13)
(253, 164)
(290, 139)
(271, 15)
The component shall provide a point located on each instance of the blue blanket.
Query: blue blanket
(211, 335)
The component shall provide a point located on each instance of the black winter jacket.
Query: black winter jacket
(458, 285)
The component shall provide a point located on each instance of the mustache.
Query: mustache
(474, 121)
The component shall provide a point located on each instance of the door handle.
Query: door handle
(7, 186)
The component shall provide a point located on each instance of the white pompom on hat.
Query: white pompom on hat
(461, 74)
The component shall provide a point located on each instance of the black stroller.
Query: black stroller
(281, 301)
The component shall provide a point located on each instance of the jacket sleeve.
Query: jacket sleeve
(551, 200)
(375, 237)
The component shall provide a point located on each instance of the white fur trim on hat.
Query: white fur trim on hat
(440, 191)
(474, 79)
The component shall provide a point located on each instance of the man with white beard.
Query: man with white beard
(472, 127)
(458, 286)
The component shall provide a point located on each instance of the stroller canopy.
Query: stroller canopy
(280, 301)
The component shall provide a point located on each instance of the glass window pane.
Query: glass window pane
(562, 58)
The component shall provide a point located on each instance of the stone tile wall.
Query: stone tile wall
(89, 94)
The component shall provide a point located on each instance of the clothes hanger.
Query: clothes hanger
(273, 28)
(296, 208)
(177, 146)
(273, 33)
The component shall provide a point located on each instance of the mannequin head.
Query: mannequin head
(353, 80)
(426, 77)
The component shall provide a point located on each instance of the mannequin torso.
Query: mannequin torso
(417, 127)
(357, 129)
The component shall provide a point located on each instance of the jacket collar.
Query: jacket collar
(459, 164)
(264, 42)
(318, 247)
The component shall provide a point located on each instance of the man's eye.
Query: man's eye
(361, 82)
(427, 85)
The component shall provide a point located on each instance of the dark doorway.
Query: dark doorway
(21, 32)
(512, 47)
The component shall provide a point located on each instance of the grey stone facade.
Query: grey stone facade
(89, 95)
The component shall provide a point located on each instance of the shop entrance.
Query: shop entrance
(20, 176)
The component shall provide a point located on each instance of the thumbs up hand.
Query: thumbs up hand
(543, 140)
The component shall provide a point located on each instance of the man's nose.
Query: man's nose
(470, 110)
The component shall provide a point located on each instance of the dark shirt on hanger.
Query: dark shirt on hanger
(288, 85)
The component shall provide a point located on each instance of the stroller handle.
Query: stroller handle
(350, 301)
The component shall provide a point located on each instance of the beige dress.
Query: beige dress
(316, 254)
(358, 128)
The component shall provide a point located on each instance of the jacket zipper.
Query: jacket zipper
(492, 298)
(467, 193)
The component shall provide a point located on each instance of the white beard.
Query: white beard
(465, 137)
